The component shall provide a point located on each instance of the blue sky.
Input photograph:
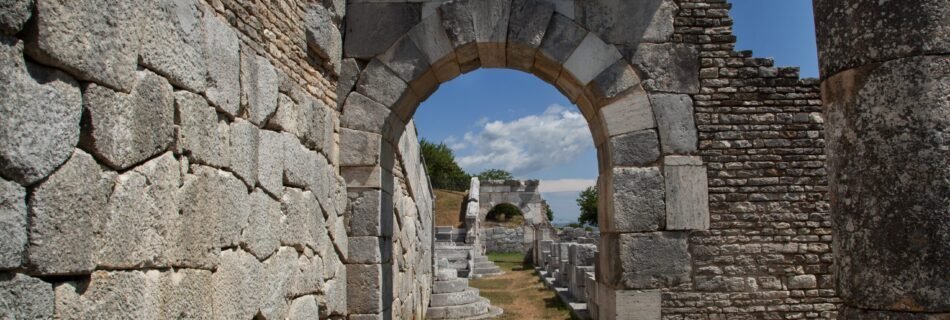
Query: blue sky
(499, 118)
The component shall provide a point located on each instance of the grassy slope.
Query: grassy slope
(520, 291)
(448, 208)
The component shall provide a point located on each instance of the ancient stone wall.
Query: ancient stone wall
(523, 194)
(501, 239)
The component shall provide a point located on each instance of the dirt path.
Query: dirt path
(520, 292)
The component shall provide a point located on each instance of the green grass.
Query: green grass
(520, 291)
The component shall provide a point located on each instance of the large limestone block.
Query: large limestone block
(140, 221)
(638, 201)
(631, 113)
(285, 116)
(638, 148)
(222, 54)
(528, 23)
(335, 288)
(258, 87)
(381, 84)
(405, 59)
(362, 113)
(362, 148)
(25, 297)
(41, 112)
(262, 235)
(244, 141)
(368, 213)
(304, 222)
(674, 118)
(301, 166)
(278, 274)
(371, 28)
(202, 135)
(349, 73)
(214, 210)
(369, 250)
(582, 254)
(668, 67)
(111, 294)
(96, 40)
(238, 286)
(234, 208)
(66, 213)
(187, 294)
(12, 224)
(364, 288)
(304, 308)
(270, 162)
(628, 22)
(315, 126)
(591, 57)
(687, 193)
(308, 276)
(126, 129)
(628, 304)
(336, 229)
(323, 36)
(13, 14)
(645, 260)
(172, 42)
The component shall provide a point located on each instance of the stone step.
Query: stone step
(483, 264)
(456, 285)
(481, 259)
(487, 272)
(478, 308)
(454, 298)
(446, 274)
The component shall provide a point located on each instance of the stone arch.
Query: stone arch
(521, 194)
(653, 185)
(503, 208)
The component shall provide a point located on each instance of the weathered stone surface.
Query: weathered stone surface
(304, 308)
(674, 119)
(562, 37)
(336, 229)
(626, 22)
(238, 285)
(888, 181)
(380, 84)
(654, 260)
(301, 165)
(591, 57)
(12, 224)
(638, 201)
(264, 227)
(286, 115)
(631, 113)
(369, 250)
(25, 297)
(429, 36)
(668, 67)
(172, 42)
(323, 37)
(201, 135)
(617, 79)
(270, 162)
(365, 293)
(334, 290)
(527, 26)
(687, 193)
(186, 294)
(364, 114)
(214, 210)
(258, 87)
(111, 294)
(41, 112)
(222, 53)
(233, 209)
(244, 141)
(458, 21)
(308, 276)
(491, 31)
(365, 218)
(804, 281)
(95, 40)
(315, 125)
(13, 14)
(349, 73)
(405, 59)
(371, 28)
(304, 223)
(66, 212)
(126, 129)
(622, 304)
(363, 148)
(853, 33)
(638, 148)
(140, 220)
(278, 274)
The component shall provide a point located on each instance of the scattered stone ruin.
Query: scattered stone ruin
(247, 159)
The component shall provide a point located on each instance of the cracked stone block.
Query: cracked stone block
(262, 235)
(202, 134)
(614, 81)
(638, 201)
(336, 228)
(674, 118)
(371, 28)
(668, 67)
(527, 26)
(304, 308)
(66, 213)
(244, 141)
(172, 42)
(13, 14)
(222, 54)
(379, 83)
(270, 162)
(12, 224)
(25, 297)
(591, 57)
(349, 74)
(364, 114)
(631, 113)
(237, 286)
(638, 148)
(258, 87)
(66, 28)
(140, 219)
(687, 193)
(111, 294)
(323, 37)
(126, 129)
(41, 113)
(363, 148)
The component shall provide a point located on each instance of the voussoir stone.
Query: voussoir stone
(264, 228)
(222, 54)
(405, 59)
(371, 28)
(66, 212)
(141, 217)
(201, 134)
(668, 67)
(111, 294)
(172, 42)
(25, 297)
(381, 84)
(238, 285)
(12, 224)
(590, 58)
(616, 80)
(41, 113)
(638, 200)
(364, 114)
(629, 114)
(258, 87)
(561, 38)
(323, 36)
(13, 14)
(126, 129)
(95, 40)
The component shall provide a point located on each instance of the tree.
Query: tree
(587, 201)
(444, 172)
(495, 174)
(547, 211)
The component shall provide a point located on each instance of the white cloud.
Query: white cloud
(565, 185)
(522, 146)
(453, 143)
